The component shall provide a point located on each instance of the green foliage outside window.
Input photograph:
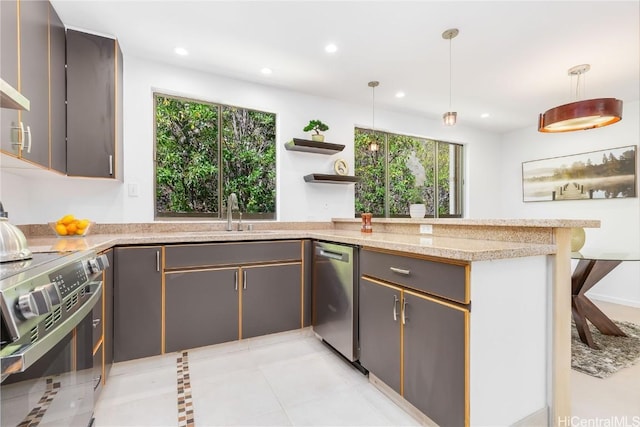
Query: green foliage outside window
(205, 151)
(404, 171)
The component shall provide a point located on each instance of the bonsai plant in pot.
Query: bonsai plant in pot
(417, 208)
(317, 126)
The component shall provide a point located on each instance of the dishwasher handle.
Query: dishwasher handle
(339, 256)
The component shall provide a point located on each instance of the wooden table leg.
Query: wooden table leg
(584, 277)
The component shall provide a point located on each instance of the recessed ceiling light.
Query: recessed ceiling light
(181, 51)
(485, 115)
(266, 71)
(400, 94)
(331, 48)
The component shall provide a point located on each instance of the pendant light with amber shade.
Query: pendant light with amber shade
(373, 141)
(581, 115)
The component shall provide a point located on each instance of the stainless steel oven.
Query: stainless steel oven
(46, 353)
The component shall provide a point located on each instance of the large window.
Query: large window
(204, 152)
(406, 170)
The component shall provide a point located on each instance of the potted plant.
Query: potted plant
(317, 126)
(417, 208)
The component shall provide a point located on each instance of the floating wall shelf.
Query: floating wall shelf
(331, 179)
(309, 146)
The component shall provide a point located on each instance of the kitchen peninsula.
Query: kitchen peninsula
(517, 336)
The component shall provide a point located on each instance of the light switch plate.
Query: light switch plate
(133, 190)
(426, 229)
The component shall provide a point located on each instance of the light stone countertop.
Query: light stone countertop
(424, 244)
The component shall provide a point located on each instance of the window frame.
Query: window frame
(457, 183)
(221, 214)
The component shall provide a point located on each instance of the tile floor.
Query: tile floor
(289, 379)
(292, 379)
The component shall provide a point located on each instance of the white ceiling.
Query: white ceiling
(510, 58)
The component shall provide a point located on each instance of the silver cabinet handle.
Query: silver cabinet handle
(404, 311)
(96, 322)
(400, 271)
(110, 164)
(235, 279)
(28, 132)
(395, 308)
(244, 279)
(17, 136)
(334, 255)
(157, 260)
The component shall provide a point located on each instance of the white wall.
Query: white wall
(39, 198)
(620, 218)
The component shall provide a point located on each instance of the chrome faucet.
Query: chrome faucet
(232, 203)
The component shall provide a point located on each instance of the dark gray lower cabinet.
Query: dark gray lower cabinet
(434, 359)
(428, 365)
(271, 299)
(380, 329)
(107, 278)
(137, 302)
(201, 308)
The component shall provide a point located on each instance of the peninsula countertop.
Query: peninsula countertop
(497, 243)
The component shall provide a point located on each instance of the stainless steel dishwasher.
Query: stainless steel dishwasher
(335, 296)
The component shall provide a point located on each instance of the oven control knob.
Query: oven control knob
(98, 264)
(52, 293)
(33, 304)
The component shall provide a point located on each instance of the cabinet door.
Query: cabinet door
(271, 299)
(58, 93)
(107, 285)
(137, 302)
(8, 69)
(435, 359)
(380, 326)
(34, 74)
(201, 308)
(91, 108)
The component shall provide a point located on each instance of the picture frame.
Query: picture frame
(604, 174)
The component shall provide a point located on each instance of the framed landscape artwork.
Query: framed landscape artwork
(604, 174)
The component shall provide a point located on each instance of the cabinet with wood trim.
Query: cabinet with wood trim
(137, 303)
(233, 291)
(33, 62)
(415, 342)
(94, 106)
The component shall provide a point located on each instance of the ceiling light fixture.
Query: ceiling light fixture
(331, 48)
(450, 116)
(181, 51)
(400, 94)
(266, 71)
(485, 115)
(581, 115)
(373, 142)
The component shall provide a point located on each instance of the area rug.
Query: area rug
(614, 353)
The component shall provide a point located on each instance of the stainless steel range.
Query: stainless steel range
(46, 354)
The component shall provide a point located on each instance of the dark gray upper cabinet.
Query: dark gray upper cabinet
(9, 67)
(271, 299)
(434, 359)
(57, 91)
(137, 302)
(380, 344)
(94, 106)
(34, 40)
(25, 66)
(201, 308)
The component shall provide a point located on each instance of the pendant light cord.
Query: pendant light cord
(450, 75)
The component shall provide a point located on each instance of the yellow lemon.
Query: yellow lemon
(82, 224)
(67, 219)
(71, 228)
(61, 229)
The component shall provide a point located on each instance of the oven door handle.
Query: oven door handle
(24, 357)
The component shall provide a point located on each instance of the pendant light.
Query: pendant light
(450, 117)
(581, 115)
(373, 141)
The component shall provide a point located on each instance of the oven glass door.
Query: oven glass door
(57, 390)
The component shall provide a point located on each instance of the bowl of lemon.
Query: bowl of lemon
(70, 226)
